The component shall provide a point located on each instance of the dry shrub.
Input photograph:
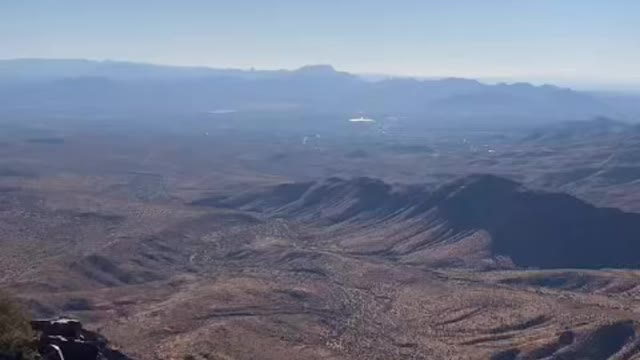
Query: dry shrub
(16, 335)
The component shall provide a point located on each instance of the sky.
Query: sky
(580, 42)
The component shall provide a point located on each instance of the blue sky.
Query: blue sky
(562, 41)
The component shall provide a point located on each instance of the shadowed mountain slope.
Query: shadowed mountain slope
(533, 229)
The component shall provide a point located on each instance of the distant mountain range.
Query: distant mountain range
(111, 86)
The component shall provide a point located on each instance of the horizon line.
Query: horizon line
(535, 80)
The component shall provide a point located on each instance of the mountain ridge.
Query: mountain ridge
(532, 228)
(37, 83)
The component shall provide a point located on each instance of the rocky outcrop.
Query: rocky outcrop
(66, 339)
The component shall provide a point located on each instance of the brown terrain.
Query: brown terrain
(213, 243)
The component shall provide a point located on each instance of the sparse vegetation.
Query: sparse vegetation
(16, 335)
(184, 247)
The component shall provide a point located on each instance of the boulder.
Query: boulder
(66, 339)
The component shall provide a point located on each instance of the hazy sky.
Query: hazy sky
(583, 41)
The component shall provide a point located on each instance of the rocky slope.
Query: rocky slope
(481, 212)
